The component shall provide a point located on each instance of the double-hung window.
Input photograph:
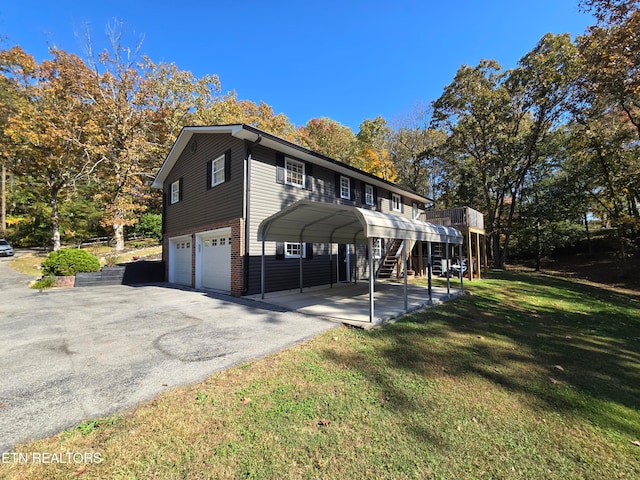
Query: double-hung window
(294, 172)
(217, 171)
(175, 192)
(369, 199)
(396, 202)
(294, 250)
(345, 187)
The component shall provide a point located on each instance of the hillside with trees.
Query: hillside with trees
(547, 150)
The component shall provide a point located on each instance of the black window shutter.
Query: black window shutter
(401, 204)
(352, 187)
(180, 189)
(279, 250)
(390, 201)
(308, 173)
(338, 185)
(227, 165)
(308, 251)
(209, 173)
(279, 168)
(363, 189)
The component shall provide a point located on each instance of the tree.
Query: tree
(609, 52)
(10, 101)
(329, 138)
(499, 123)
(371, 149)
(416, 149)
(53, 129)
(139, 106)
(228, 109)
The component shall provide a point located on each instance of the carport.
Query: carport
(316, 222)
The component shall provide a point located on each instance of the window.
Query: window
(369, 198)
(294, 250)
(377, 248)
(217, 171)
(294, 172)
(396, 202)
(175, 192)
(345, 187)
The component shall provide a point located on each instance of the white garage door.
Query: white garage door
(215, 259)
(180, 261)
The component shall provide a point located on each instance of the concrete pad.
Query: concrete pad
(349, 302)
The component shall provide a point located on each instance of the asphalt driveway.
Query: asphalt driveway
(69, 355)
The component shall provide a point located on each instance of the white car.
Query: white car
(6, 250)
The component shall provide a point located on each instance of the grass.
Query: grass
(527, 376)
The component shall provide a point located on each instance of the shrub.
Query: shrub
(150, 225)
(45, 282)
(69, 261)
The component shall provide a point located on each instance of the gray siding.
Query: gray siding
(201, 206)
(268, 197)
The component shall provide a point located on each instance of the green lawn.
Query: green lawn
(527, 376)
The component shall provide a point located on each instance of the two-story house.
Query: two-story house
(245, 211)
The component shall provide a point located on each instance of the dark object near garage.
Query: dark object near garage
(135, 273)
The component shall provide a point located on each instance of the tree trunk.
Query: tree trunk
(118, 237)
(55, 219)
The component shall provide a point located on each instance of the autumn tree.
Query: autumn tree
(228, 109)
(609, 52)
(139, 106)
(371, 151)
(499, 123)
(328, 137)
(53, 131)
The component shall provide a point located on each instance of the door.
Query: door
(343, 262)
(214, 260)
(180, 260)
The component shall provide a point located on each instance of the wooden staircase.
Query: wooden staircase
(385, 270)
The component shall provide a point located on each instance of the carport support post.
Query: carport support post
(262, 272)
(301, 278)
(331, 265)
(429, 272)
(448, 246)
(461, 272)
(406, 276)
(371, 280)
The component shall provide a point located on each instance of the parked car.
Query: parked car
(6, 250)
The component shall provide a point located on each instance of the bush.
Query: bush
(70, 261)
(45, 282)
(150, 225)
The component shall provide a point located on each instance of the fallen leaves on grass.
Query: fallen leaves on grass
(323, 423)
(245, 401)
(636, 443)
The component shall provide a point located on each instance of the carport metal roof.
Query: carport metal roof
(317, 222)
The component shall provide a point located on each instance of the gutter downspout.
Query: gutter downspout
(246, 211)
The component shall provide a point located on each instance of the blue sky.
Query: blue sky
(347, 60)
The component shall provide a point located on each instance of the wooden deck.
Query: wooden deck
(464, 219)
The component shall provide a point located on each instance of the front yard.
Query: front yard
(527, 376)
